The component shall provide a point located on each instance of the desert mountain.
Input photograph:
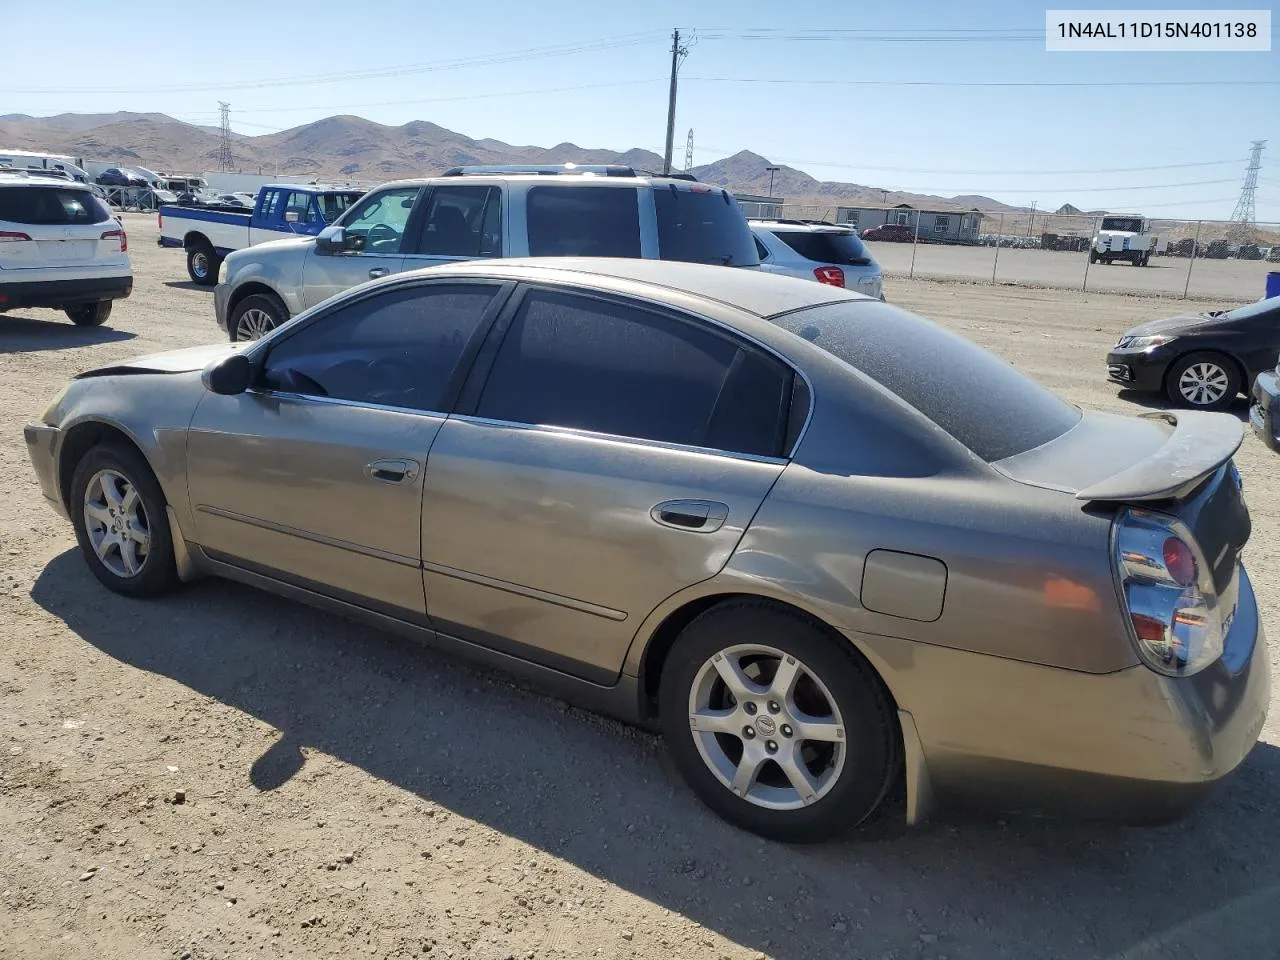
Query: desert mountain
(349, 146)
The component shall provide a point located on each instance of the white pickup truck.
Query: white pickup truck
(209, 233)
(1126, 237)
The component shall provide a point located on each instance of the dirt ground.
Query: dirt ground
(224, 774)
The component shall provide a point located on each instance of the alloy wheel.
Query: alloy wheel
(1203, 383)
(254, 324)
(116, 522)
(200, 264)
(767, 727)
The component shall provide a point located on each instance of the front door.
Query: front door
(610, 455)
(377, 226)
(315, 475)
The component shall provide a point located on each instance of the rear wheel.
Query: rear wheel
(1206, 381)
(202, 265)
(256, 316)
(778, 726)
(89, 314)
(1093, 257)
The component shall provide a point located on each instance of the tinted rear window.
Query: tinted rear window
(700, 226)
(50, 206)
(583, 222)
(826, 247)
(979, 399)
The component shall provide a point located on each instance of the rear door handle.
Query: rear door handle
(698, 516)
(392, 471)
(377, 272)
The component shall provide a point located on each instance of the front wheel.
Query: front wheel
(779, 726)
(1093, 257)
(1205, 381)
(89, 314)
(256, 316)
(202, 265)
(121, 523)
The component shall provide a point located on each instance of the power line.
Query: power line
(990, 83)
(532, 53)
(878, 169)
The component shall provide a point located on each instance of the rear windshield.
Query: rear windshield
(842, 247)
(979, 399)
(583, 222)
(700, 226)
(43, 206)
(334, 205)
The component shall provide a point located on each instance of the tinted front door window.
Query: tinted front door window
(397, 349)
(606, 367)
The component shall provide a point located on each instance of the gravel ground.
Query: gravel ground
(225, 774)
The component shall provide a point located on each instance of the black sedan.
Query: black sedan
(1201, 360)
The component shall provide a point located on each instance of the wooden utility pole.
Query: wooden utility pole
(676, 51)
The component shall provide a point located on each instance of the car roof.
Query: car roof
(37, 178)
(560, 179)
(743, 288)
(783, 226)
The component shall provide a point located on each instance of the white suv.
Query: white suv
(826, 252)
(60, 247)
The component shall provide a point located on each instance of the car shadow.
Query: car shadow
(603, 797)
(1156, 401)
(187, 285)
(23, 334)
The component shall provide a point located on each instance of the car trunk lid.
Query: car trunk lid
(1176, 462)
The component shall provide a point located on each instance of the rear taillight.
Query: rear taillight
(8, 236)
(831, 275)
(117, 235)
(1169, 596)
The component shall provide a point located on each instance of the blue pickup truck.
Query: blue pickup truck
(281, 210)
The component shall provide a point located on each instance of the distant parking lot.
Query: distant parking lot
(1226, 280)
(226, 774)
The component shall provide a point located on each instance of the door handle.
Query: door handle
(377, 272)
(698, 516)
(392, 471)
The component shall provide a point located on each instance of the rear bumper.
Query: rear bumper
(1133, 745)
(1137, 369)
(61, 293)
(1264, 409)
(42, 446)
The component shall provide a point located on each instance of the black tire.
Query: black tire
(202, 265)
(269, 304)
(157, 572)
(1093, 257)
(1173, 380)
(89, 314)
(872, 746)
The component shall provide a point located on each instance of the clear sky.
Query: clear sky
(595, 74)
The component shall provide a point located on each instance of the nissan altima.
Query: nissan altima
(822, 544)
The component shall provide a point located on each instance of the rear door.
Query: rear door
(604, 456)
(58, 230)
(378, 224)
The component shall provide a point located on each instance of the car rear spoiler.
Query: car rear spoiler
(1200, 443)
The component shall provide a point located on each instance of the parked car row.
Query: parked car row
(823, 545)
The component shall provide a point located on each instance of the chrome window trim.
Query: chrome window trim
(618, 438)
(342, 402)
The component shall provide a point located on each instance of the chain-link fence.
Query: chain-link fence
(1203, 259)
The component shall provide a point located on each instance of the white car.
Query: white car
(60, 247)
(825, 252)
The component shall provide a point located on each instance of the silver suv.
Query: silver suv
(479, 212)
(816, 250)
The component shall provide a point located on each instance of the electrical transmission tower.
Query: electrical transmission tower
(688, 152)
(225, 161)
(1242, 228)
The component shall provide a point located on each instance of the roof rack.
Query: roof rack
(543, 169)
